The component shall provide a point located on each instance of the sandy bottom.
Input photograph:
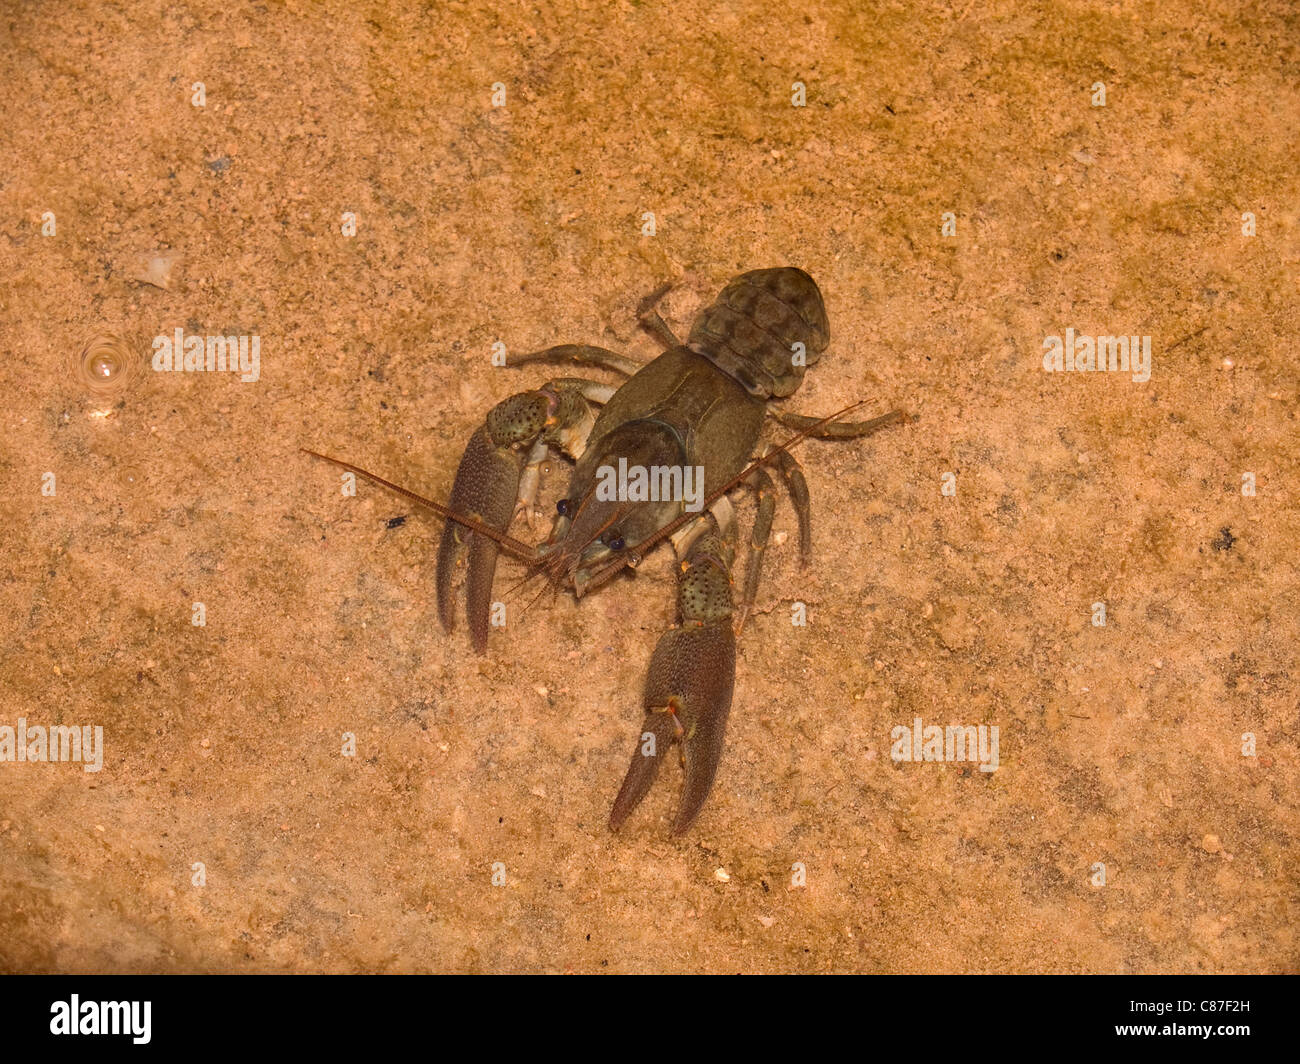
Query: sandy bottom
(228, 831)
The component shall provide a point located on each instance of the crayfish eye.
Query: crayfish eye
(562, 507)
(615, 543)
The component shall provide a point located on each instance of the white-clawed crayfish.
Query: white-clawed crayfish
(699, 404)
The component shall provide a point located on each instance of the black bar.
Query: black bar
(364, 1013)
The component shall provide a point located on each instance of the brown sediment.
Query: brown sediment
(1120, 745)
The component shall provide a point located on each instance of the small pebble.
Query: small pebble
(156, 269)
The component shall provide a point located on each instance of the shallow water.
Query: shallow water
(1120, 745)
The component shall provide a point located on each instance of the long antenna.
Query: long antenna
(519, 549)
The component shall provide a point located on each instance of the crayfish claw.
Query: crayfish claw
(688, 689)
(658, 734)
(486, 488)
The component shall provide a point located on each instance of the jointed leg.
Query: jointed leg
(837, 430)
(583, 354)
(765, 491)
(570, 435)
(795, 483)
(529, 481)
(653, 323)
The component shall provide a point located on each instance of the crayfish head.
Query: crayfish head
(614, 505)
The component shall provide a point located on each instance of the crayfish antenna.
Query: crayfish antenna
(509, 544)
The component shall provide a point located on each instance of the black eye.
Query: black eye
(616, 543)
(562, 507)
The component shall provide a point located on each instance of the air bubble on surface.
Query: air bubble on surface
(106, 364)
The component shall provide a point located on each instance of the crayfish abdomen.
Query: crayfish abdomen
(763, 330)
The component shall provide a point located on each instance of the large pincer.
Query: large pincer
(689, 687)
(497, 478)
(486, 488)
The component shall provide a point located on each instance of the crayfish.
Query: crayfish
(699, 406)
